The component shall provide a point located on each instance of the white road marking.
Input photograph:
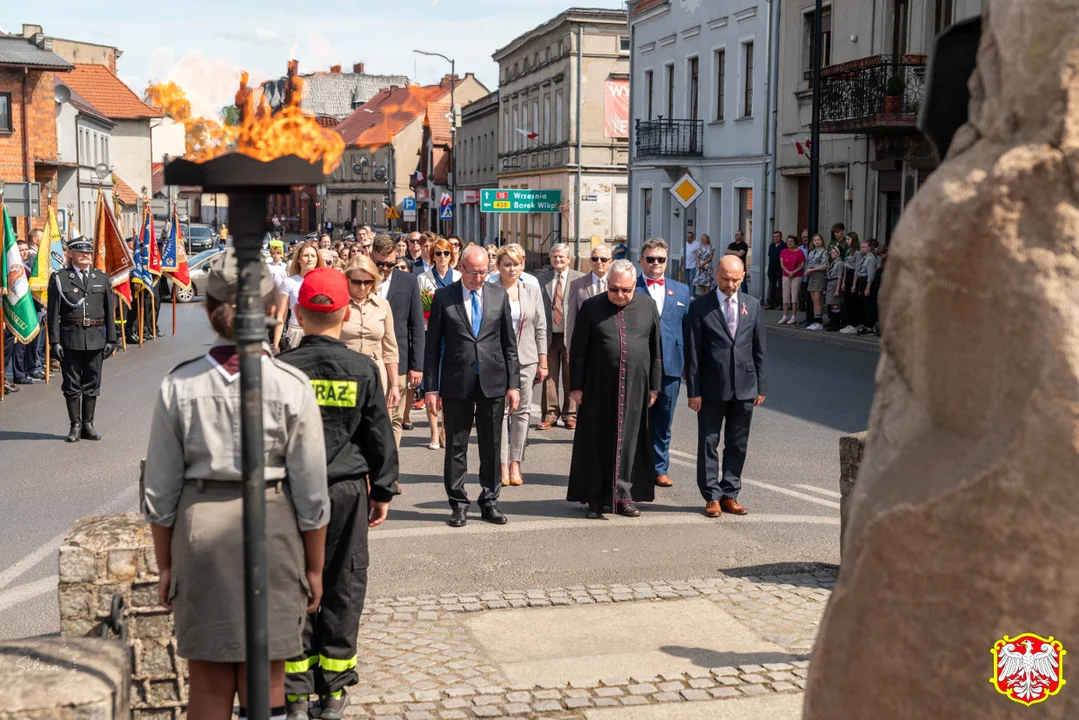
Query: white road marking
(822, 491)
(29, 591)
(126, 499)
(648, 518)
(760, 484)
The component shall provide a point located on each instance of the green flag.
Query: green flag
(20, 316)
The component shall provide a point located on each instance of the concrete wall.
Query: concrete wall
(131, 153)
(477, 163)
(78, 52)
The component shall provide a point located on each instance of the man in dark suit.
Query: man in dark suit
(402, 291)
(672, 304)
(555, 287)
(472, 344)
(725, 377)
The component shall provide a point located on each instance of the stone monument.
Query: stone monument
(963, 524)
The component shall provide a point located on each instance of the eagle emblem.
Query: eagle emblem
(1028, 669)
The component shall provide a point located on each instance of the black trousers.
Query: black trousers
(869, 303)
(775, 286)
(82, 372)
(328, 662)
(852, 305)
(458, 416)
(737, 414)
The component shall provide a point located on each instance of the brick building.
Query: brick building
(28, 118)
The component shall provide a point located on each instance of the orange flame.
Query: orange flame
(266, 136)
(204, 137)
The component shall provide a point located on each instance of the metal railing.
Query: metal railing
(873, 91)
(670, 138)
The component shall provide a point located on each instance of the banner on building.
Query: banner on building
(616, 109)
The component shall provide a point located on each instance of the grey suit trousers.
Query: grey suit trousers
(515, 424)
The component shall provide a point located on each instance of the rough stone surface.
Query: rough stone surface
(851, 448)
(64, 679)
(962, 526)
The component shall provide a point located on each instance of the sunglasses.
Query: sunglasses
(600, 259)
(455, 244)
(655, 260)
(361, 283)
(387, 264)
(443, 253)
(620, 291)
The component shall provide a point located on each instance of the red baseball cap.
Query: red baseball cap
(328, 283)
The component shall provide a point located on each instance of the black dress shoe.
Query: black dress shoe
(458, 518)
(26, 381)
(493, 515)
(39, 375)
(595, 512)
(629, 510)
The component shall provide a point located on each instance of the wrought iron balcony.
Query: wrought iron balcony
(873, 94)
(670, 138)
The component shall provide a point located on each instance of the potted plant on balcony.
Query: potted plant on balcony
(893, 94)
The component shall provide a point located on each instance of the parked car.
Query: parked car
(198, 266)
(199, 238)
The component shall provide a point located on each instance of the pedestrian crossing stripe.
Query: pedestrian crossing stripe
(335, 393)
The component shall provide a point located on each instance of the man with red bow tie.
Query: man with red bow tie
(672, 303)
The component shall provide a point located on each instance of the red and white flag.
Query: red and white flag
(804, 147)
(528, 134)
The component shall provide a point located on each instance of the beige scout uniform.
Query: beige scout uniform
(194, 483)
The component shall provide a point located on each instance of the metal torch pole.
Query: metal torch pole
(453, 147)
(814, 142)
(246, 210)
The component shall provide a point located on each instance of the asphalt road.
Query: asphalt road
(817, 393)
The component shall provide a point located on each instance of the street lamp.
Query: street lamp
(453, 133)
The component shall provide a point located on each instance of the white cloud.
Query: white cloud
(258, 36)
(209, 82)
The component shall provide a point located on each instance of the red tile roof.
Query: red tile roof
(123, 191)
(439, 123)
(327, 122)
(108, 93)
(379, 119)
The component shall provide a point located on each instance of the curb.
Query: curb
(828, 338)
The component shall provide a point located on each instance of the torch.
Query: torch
(273, 153)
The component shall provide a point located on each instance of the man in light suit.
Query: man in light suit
(672, 303)
(472, 344)
(588, 286)
(725, 352)
(556, 294)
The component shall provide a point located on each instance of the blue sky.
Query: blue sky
(202, 45)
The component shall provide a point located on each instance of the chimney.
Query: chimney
(357, 68)
(335, 69)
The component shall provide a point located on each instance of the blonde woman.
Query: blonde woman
(440, 275)
(369, 328)
(306, 258)
(530, 326)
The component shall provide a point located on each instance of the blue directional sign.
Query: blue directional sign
(409, 203)
(447, 212)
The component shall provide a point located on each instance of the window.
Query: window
(670, 91)
(900, 27)
(535, 60)
(945, 14)
(535, 119)
(547, 54)
(516, 135)
(5, 113)
(649, 87)
(546, 119)
(506, 129)
(719, 62)
(561, 48)
(105, 153)
(558, 116)
(826, 39)
(745, 219)
(747, 90)
(694, 86)
(623, 44)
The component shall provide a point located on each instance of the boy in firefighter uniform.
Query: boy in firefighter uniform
(360, 454)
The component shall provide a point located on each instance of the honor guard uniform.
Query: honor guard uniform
(361, 459)
(83, 331)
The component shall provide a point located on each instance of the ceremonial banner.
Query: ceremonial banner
(143, 274)
(20, 314)
(111, 254)
(616, 109)
(174, 257)
(39, 277)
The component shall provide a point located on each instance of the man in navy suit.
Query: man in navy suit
(725, 377)
(672, 303)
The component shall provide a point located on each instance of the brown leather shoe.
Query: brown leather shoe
(545, 425)
(571, 423)
(731, 506)
(712, 509)
(664, 481)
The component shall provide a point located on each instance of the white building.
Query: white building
(699, 104)
(477, 168)
(872, 159)
(83, 141)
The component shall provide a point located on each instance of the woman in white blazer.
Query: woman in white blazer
(440, 275)
(530, 326)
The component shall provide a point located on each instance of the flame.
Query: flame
(266, 136)
(204, 137)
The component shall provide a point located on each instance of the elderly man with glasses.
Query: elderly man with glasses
(592, 284)
(616, 371)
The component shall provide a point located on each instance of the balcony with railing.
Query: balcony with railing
(874, 94)
(670, 138)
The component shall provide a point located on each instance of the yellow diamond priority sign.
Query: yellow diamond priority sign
(686, 190)
(392, 214)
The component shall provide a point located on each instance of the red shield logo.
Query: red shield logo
(1028, 668)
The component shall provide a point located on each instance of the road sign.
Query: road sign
(22, 199)
(520, 201)
(446, 213)
(409, 204)
(392, 214)
(686, 190)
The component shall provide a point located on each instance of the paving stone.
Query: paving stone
(455, 703)
(641, 689)
(487, 700)
(780, 677)
(453, 715)
(729, 680)
(720, 672)
(419, 715)
(633, 700)
(645, 679)
(487, 711)
(701, 683)
(547, 706)
(671, 686)
(695, 694)
(800, 663)
(419, 707)
(667, 697)
(577, 693)
(575, 703)
(460, 692)
(753, 679)
(776, 667)
(517, 709)
(724, 692)
(750, 669)
(609, 692)
(754, 690)
(547, 694)
(606, 702)
(519, 697)
(614, 681)
(783, 687)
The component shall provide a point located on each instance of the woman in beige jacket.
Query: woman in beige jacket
(369, 329)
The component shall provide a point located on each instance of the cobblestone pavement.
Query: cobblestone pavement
(418, 662)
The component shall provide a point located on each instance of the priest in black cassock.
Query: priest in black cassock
(616, 372)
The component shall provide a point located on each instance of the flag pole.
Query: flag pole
(121, 318)
(3, 378)
(153, 315)
(174, 308)
(48, 356)
(142, 317)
